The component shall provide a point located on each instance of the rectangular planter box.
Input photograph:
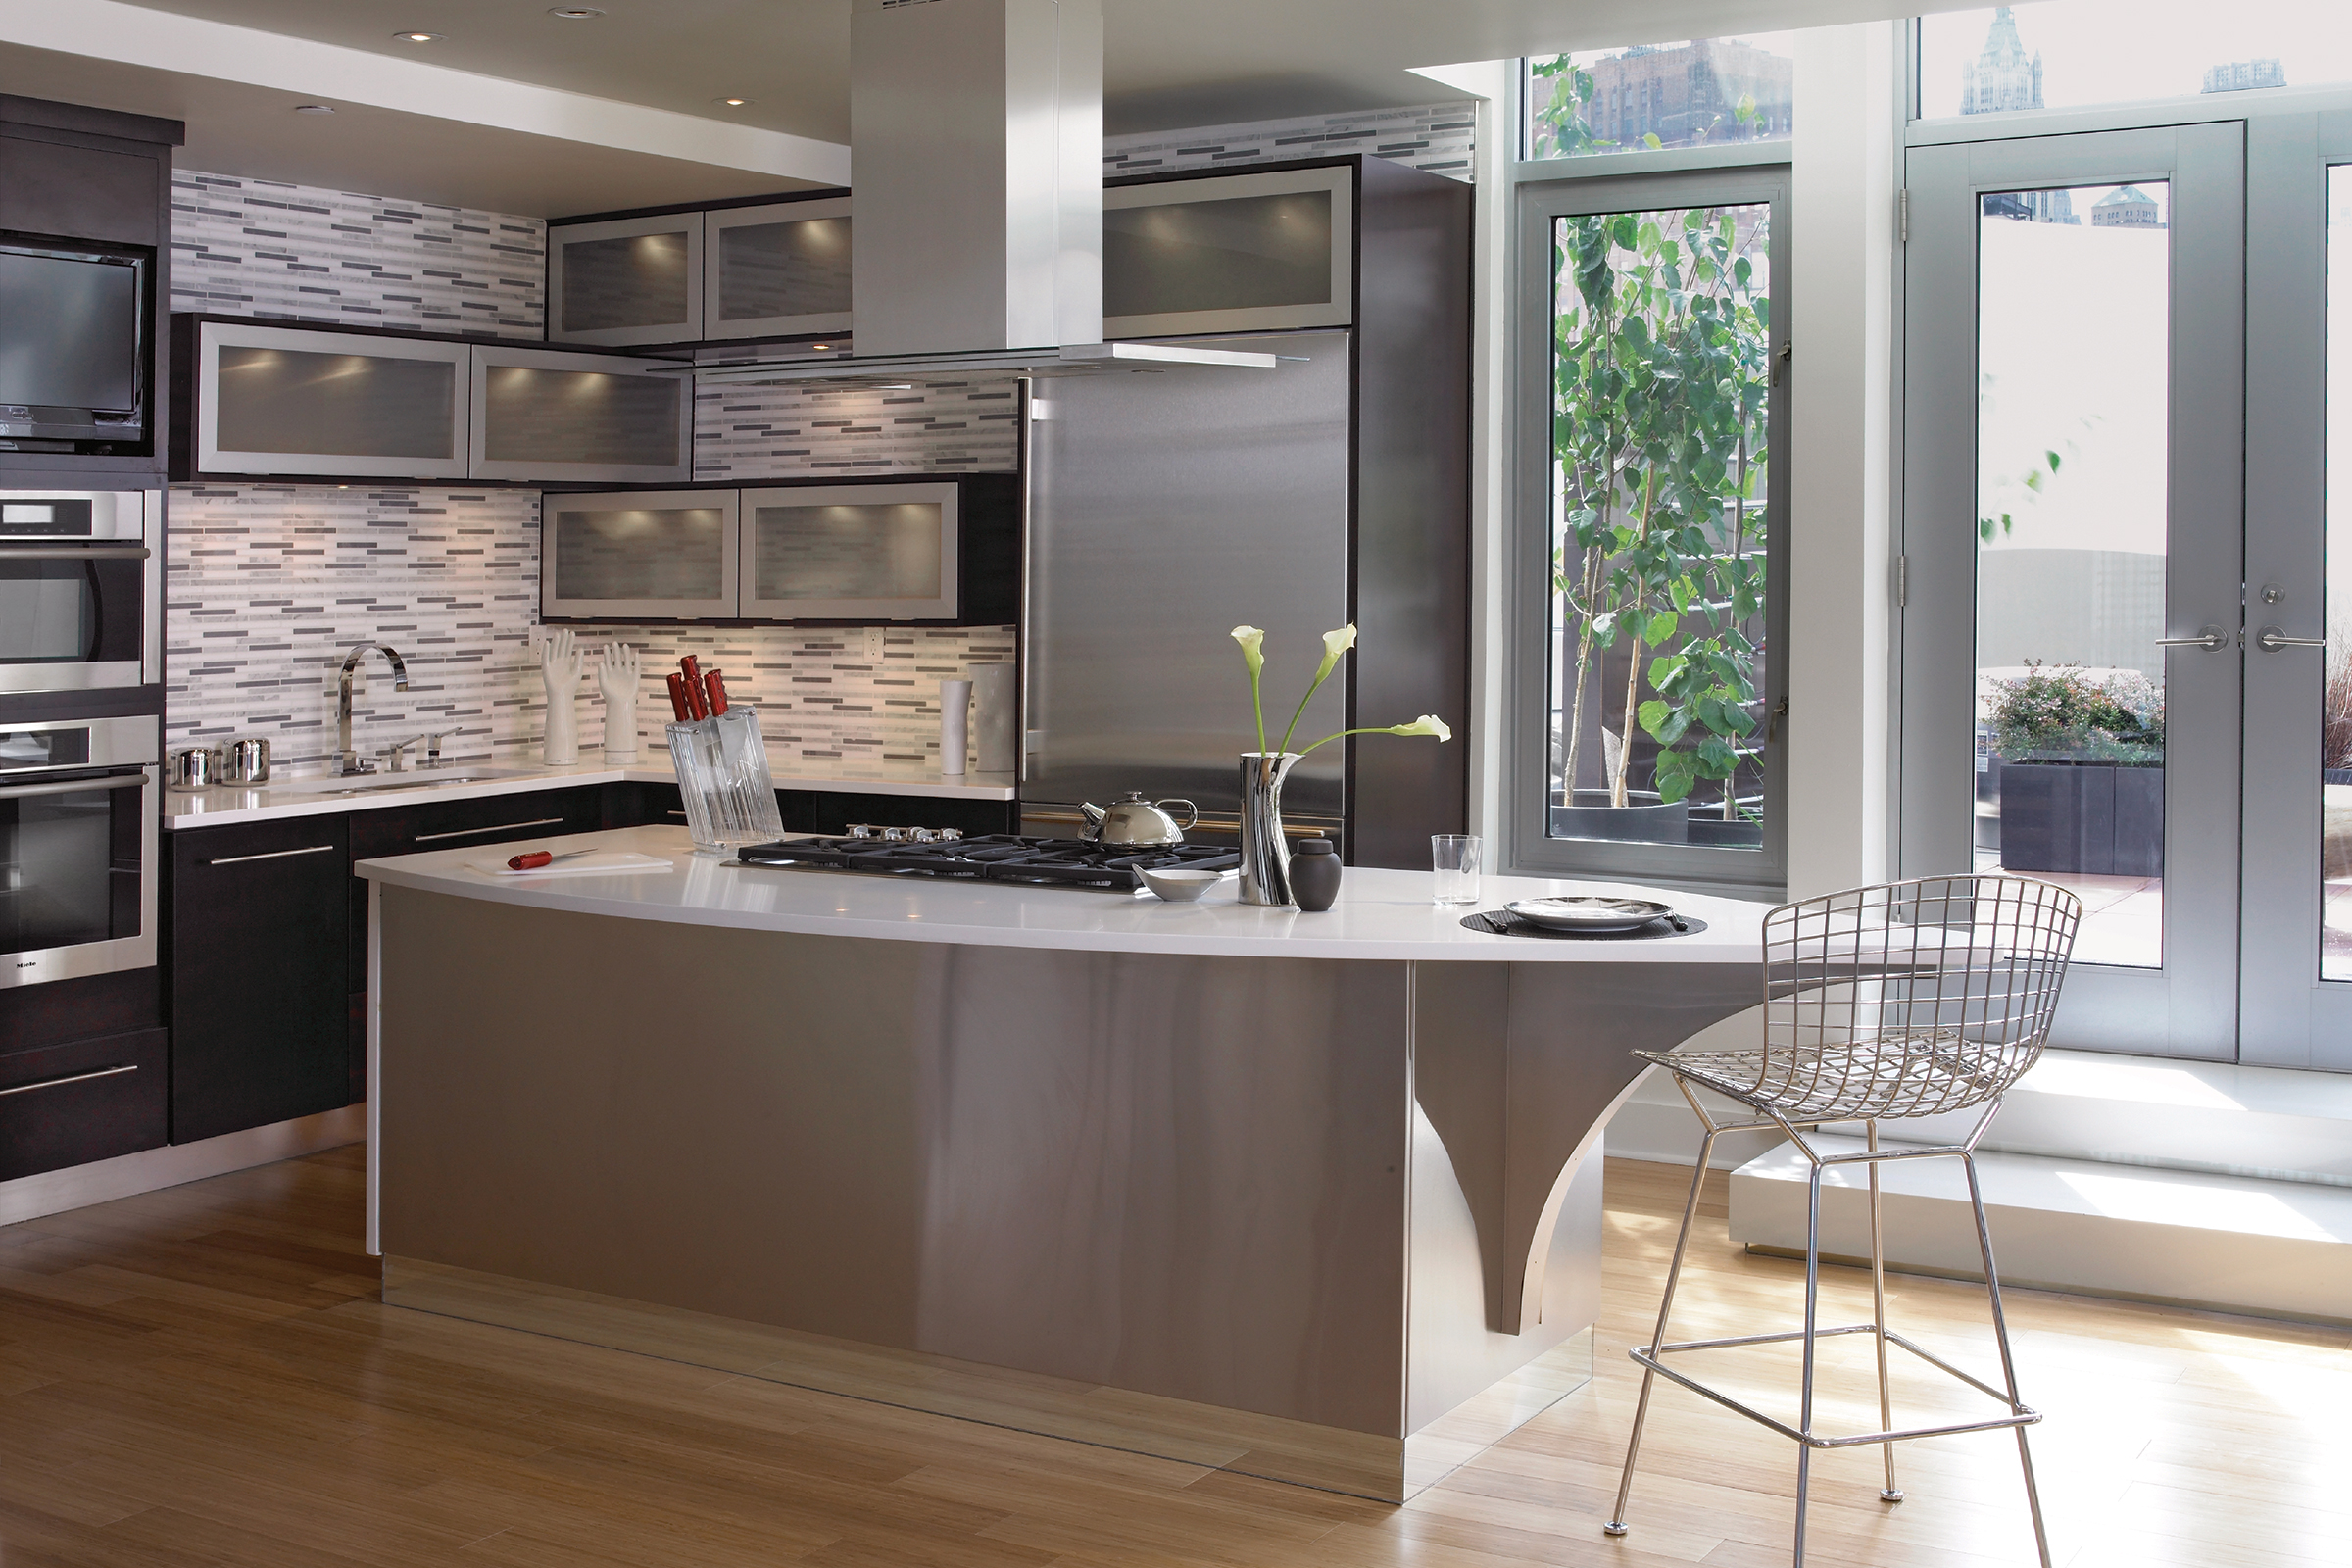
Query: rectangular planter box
(2097, 818)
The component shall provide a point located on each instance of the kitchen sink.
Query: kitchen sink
(428, 778)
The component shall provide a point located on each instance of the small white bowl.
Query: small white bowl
(1180, 887)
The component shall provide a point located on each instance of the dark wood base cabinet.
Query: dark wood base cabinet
(257, 945)
(68, 1105)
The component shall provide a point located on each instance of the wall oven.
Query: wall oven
(81, 589)
(80, 803)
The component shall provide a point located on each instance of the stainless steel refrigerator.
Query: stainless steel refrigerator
(1167, 508)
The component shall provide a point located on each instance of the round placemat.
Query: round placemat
(1503, 924)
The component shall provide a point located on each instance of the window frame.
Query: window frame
(1540, 191)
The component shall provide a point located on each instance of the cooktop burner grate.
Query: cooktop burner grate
(996, 857)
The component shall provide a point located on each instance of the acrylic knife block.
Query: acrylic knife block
(730, 798)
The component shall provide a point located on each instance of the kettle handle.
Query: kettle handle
(1189, 822)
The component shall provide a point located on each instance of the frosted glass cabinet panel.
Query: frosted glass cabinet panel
(777, 269)
(278, 400)
(604, 419)
(629, 281)
(642, 555)
(1229, 253)
(862, 553)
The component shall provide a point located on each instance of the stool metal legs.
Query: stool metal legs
(1652, 1356)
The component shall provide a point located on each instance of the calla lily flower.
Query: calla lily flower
(1253, 642)
(1335, 644)
(1426, 724)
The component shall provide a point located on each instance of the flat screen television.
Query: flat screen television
(76, 345)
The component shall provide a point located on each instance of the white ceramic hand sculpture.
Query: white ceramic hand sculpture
(616, 673)
(559, 661)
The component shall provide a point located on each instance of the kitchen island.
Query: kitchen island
(1305, 1195)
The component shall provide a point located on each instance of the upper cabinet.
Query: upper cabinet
(276, 400)
(630, 281)
(776, 271)
(596, 417)
(775, 268)
(1230, 253)
(281, 399)
(928, 552)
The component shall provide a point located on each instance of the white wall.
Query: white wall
(1840, 468)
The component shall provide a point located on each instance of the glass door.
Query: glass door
(2296, 997)
(2073, 553)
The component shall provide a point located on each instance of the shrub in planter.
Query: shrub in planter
(2082, 772)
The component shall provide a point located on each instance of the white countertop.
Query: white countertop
(1380, 915)
(269, 803)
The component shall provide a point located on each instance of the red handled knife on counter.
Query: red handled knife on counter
(539, 858)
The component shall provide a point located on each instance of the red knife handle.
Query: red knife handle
(715, 689)
(530, 861)
(677, 697)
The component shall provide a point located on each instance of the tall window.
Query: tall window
(1647, 512)
(1694, 92)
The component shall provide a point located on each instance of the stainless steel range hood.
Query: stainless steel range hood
(976, 140)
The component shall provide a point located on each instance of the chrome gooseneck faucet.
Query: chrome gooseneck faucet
(345, 760)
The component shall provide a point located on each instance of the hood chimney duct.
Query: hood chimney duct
(976, 148)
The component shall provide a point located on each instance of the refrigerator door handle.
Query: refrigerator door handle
(1031, 411)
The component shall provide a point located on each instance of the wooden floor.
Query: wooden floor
(203, 1375)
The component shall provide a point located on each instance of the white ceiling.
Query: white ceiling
(1168, 63)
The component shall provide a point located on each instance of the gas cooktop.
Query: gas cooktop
(995, 857)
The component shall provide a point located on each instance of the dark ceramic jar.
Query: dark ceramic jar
(1315, 873)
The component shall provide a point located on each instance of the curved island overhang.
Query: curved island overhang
(1298, 1195)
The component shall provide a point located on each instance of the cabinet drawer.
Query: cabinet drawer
(464, 824)
(87, 1099)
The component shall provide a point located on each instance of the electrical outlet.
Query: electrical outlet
(873, 642)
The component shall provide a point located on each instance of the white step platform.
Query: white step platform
(2233, 1244)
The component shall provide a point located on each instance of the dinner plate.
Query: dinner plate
(1589, 913)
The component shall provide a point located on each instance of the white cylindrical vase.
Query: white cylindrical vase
(954, 719)
(993, 713)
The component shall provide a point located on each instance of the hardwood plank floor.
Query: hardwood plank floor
(204, 1376)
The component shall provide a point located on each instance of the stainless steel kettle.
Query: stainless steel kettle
(1137, 822)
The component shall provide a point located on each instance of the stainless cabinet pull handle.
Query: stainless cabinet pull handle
(273, 855)
(2271, 638)
(72, 786)
(93, 553)
(2212, 639)
(473, 832)
(69, 1078)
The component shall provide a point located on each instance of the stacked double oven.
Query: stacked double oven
(84, 1054)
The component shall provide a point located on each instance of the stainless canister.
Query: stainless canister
(196, 767)
(246, 760)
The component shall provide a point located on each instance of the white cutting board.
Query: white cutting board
(604, 863)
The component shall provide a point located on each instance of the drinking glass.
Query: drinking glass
(1453, 856)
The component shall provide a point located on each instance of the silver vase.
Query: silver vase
(1265, 852)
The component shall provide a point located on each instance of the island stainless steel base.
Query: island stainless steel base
(1330, 1222)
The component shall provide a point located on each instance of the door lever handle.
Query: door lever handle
(2212, 639)
(2271, 638)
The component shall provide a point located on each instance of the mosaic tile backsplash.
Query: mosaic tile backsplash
(1438, 138)
(297, 253)
(271, 585)
(765, 432)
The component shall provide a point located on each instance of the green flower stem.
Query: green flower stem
(1376, 729)
(1302, 713)
(1258, 704)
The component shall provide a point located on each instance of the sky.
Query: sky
(2108, 50)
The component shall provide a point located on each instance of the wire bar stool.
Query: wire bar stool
(1881, 1003)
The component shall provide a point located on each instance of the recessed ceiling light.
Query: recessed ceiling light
(418, 37)
(314, 109)
(734, 103)
(575, 13)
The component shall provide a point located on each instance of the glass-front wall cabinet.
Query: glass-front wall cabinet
(278, 400)
(629, 281)
(1230, 253)
(644, 555)
(777, 271)
(862, 553)
(604, 419)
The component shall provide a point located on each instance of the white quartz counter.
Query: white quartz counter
(1381, 915)
(305, 797)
